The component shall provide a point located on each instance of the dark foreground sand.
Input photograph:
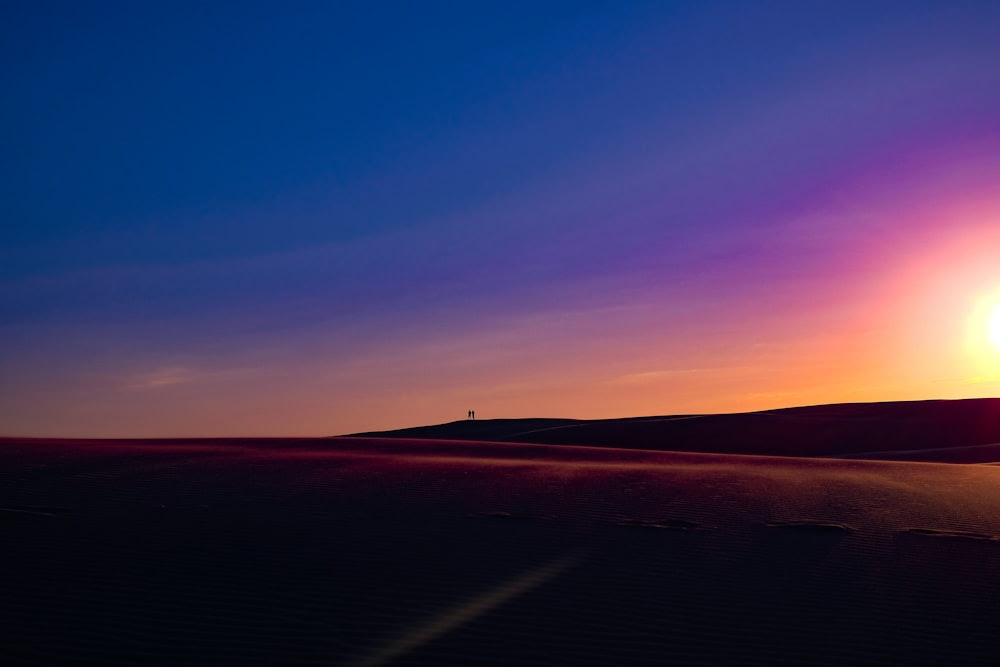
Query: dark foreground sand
(369, 551)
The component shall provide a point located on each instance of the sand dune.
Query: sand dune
(962, 431)
(364, 551)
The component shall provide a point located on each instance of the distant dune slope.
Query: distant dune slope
(959, 431)
(496, 430)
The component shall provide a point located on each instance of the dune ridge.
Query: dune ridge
(944, 431)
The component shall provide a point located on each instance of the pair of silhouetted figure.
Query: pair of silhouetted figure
(472, 414)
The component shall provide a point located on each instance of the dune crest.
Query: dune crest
(959, 431)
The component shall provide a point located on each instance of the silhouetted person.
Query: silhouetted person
(473, 413)
(468, 415)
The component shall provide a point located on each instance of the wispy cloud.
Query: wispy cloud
(162, 377)
(168, 376)
(650, 377)
(647, 377)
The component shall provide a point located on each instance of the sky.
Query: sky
(317, 218)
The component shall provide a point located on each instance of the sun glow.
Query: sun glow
(983, 338)
(993, 328)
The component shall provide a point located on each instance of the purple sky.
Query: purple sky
(317, 218)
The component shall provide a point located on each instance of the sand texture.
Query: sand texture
(358, 551)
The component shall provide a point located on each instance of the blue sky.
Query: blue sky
(228, 190)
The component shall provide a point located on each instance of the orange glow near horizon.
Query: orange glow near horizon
(906, 317)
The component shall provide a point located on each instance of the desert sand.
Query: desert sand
(370, 551)
(959, 431)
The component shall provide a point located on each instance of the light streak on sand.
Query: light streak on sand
(466, 612)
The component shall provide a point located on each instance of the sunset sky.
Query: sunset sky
(318, 218)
